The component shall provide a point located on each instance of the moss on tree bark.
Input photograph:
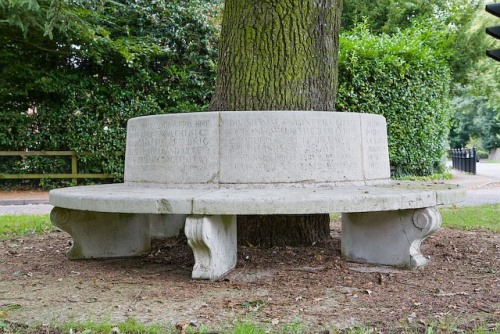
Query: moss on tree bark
(278, 55)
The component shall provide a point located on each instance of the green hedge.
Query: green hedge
(404, 79)
(86, 80)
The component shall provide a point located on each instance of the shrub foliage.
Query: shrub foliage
(403, 78)
(74, 72)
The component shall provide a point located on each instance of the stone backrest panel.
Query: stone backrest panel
(174, 148)
(253, 147)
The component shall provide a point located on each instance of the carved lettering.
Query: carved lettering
(376, 160)
(173, 150)
(292, 149)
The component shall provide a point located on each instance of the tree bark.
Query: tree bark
(282, 230)
(278, 55)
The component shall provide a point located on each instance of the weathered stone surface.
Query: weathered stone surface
(374, 146)
(388, 237)
(257, 147)
(274, 147)
(103, 235)
(174, 148)
(310, 200)
(260, 199)
(127, 198)
(213, 241)
(165, 226)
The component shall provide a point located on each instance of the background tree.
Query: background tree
(476, 103)
(476, 120)
(455, 17)
(454, 31)
(278, 55)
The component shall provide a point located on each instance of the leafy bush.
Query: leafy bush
(403, 78)
(73, 73)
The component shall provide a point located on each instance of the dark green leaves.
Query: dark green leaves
(407, 81)
(86, 67)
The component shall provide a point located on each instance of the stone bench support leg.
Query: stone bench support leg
(166, 226)
(389, 237)
(213, 241)
(103, 234)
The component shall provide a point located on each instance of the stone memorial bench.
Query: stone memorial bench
(201, 170)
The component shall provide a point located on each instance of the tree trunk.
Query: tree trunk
(282, 230)
(278, 55)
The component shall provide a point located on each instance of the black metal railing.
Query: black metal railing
(464, 159)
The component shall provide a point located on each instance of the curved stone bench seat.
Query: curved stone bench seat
(263, 200)
(199, 171)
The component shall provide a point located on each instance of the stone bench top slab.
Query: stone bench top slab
(263, 199)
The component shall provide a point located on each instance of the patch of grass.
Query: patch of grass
(335, 217)
(433, 177)
(448, 324)
(12, 226)
(131, 326)
(472, 217)
(3, 327)
(490, 161)
(10, 307)
(250, 326)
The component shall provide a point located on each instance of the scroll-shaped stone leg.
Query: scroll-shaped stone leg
(103, 234)
(390, 237)
(213, 241)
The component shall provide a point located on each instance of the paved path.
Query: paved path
(483, 188)
(31, 209)
(488, 169)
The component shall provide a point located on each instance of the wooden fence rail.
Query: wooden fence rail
(74, 167)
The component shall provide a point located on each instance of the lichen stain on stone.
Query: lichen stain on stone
(227, 222)
(76, 252)
(164, 206)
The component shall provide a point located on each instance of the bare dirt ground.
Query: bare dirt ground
(314, 285)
